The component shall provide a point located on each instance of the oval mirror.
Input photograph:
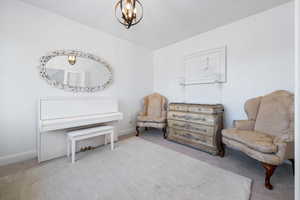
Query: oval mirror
(75, 71)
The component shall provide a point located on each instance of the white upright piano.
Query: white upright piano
(56, 115)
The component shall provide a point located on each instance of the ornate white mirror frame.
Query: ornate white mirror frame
(44, 75)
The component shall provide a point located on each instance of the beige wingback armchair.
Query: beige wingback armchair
(154, 113)
(268, 134)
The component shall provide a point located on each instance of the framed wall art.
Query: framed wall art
(205, 67)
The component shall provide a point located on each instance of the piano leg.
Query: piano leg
(137, 131)
(68, 148)
(73, 151)
(112, 140)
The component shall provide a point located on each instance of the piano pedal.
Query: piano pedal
(91, 148)
(82, 149)
(88, 148)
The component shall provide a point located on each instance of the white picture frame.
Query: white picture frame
(205, 67)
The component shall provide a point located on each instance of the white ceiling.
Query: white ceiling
(165, 21)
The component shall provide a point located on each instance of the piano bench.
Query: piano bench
(74, 136)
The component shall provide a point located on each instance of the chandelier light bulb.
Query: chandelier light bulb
(72, 59)
(128, 6)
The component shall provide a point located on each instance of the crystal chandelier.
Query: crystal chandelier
(129, 12)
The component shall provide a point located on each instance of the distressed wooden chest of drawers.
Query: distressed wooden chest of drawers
(196, 125)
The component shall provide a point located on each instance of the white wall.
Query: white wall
(26, 34)
(297, 90)
(260, 59)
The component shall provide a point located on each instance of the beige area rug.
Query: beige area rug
(135, 170)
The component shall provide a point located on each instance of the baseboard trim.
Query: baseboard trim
(18, 157)
(127, 131)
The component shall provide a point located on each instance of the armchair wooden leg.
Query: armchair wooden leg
(269, 172)
(293, 165)
(165, 132)
(222, 150)
(137, 131)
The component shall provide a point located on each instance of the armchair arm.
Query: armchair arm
(285, 144)
(142, 113)
(144, 108)
(164, 114)
(244, 124)
(286, 138)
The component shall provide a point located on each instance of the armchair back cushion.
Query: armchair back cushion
(154, 105)
(275, 113)
(251, 107)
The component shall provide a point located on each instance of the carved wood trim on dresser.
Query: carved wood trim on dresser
(196, 125)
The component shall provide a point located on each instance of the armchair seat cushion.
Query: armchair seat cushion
(144, 118)
(257, 141)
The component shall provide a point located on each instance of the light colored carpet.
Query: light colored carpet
(236, 162)
(135, 170)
